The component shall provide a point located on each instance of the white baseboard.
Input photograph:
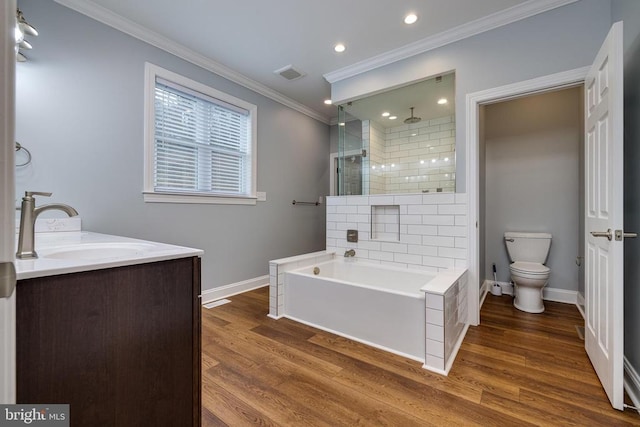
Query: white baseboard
(234, 289)
(632, 383)
(560, 295)
(275, 317)
(548, 294)
(483, 292)
(580, 304)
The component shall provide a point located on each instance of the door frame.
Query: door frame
(7, 197)
(474, 100)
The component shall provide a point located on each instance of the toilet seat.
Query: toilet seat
(529, 269)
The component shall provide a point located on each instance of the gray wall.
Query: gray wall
(629, 11)
(562, 39)
(532, 179)
(80, 113)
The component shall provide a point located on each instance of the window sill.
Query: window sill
(151, 197)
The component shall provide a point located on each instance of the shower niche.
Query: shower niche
(398, 141)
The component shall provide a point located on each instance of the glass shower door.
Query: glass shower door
(352, 168)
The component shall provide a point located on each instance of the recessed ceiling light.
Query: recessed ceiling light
(422, 162)
(341, 124)
(410, 18)
(442, 101)
(328, 101)
(339, 48)
(386, 114)
(392, 117)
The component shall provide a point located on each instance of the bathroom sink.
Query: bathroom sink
(97, 251)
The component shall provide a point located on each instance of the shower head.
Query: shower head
(412, 119)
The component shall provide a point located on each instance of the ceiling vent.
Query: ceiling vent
(290, 73)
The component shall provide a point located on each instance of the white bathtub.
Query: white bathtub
(380, 306)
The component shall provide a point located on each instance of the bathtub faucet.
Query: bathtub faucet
(350, 253)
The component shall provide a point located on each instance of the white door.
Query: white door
(7, 203)
(604, 284)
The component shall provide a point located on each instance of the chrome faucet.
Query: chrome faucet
(350, 253)
(28, 215)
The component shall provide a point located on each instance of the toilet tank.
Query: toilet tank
(528, 247)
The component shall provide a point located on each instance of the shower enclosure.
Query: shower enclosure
(399, 141)
(352, 161)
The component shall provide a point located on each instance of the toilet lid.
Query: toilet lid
(529, 267)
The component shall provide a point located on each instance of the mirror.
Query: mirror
(398, 141)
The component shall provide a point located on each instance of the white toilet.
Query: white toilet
(528, 253)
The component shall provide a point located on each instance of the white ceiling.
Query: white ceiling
(257, 37)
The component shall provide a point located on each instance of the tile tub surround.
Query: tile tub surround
(446, 319)
(433, 229)
(426, 324)
(278, 267)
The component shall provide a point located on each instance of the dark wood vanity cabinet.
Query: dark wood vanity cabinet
(120, 345)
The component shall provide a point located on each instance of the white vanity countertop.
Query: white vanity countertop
(75, 251)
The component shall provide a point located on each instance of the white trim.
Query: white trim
(481, 25)
(632, 383)
(352, 338)
(548, 294)
(7, 197)
(484, 291)
(505, 287)
(232, 289)
(107, 17)
(473, 101)
(560, 295)
(151, 197)
(151, 73)
(216, 303)
(580, 304)
(275, 317)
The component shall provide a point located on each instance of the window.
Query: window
(200, 143)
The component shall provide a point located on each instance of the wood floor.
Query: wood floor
(515, 369)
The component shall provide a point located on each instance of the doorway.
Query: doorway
(552, 82)
(531, 152)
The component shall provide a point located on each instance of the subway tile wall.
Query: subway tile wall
(432, 229)
(376, 135)
(411, 158)
(446, 317)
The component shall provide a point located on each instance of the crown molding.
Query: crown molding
(107, 17)
(481, 25)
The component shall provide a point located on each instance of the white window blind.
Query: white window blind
(202, 144)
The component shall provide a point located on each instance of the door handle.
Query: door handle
(620, 235)
(7, 279)
(606, 234)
